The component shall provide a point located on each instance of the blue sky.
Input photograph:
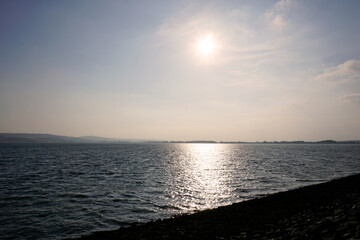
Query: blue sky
(281, 70)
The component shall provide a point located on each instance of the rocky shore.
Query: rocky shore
(324, 211)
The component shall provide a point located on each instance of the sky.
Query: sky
(270, 71)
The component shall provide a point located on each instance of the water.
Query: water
(54, 191)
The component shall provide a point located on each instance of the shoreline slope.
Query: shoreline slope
(328, 210)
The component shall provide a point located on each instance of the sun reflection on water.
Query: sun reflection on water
(201, 178)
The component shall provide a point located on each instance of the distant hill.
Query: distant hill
(49, 138)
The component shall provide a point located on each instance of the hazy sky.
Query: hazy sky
(277, 70)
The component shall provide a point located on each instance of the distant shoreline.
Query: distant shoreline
(328, 210)
(50, 138)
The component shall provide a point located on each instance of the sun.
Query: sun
(206, 45)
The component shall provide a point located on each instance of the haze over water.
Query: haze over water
(51, 191)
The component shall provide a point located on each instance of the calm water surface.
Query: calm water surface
(54, 191)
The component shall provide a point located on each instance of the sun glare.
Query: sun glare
(206, 45)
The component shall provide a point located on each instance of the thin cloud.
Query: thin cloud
(342, 73)
(193, 21)
(352, 97)
(277, 15)
(175, 28)
(284, 4)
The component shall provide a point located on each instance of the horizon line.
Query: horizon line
(115, 139)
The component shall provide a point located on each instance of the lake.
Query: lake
(55, 191)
